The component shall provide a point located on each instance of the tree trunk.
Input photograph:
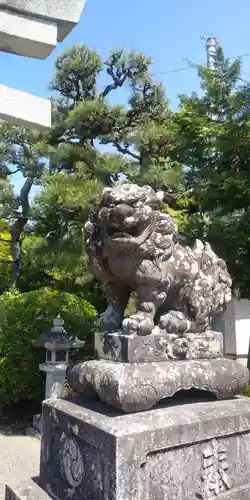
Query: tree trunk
(17, 229)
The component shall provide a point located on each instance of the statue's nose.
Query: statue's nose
(124, 210)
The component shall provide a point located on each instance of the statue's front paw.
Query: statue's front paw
(139, 324)
(174, 322)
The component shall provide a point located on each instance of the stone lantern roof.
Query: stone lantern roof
(57, 338)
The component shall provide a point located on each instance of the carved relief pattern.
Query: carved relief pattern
(215, 477)
(72, 462)
(111, 347)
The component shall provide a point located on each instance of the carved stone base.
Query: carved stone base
(136, 349)
(133, 387)
(183, 452)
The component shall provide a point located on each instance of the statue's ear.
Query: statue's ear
(107, 190)
(160, 196)
(155, 198)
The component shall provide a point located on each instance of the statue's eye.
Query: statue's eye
(111, 230)
(133, 231)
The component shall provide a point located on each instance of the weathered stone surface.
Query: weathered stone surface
(133, 387)
(55, 379)
(182, 452)
(37, 423)
(66, 13)
(25, 36)
(159, 347)
(25, 490)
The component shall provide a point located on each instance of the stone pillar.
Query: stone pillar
(55, 379)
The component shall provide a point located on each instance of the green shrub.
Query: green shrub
(246, 391)
(20, 323)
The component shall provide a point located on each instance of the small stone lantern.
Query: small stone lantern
(58, 346)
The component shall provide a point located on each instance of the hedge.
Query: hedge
(20, 323)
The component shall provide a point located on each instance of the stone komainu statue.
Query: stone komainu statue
(133, 247)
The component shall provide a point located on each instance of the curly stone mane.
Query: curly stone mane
(133, 247)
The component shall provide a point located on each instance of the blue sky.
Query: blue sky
(167, 31)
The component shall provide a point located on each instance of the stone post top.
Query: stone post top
(57, 325)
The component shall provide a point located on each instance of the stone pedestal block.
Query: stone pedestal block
(144, 349)
(133, 387)
(25, 490)
(180, 452)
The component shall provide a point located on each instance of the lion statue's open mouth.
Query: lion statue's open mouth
(132, 246)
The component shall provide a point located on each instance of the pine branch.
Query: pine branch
(118, 82)
(126, 151)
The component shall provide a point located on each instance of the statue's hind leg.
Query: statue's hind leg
(198, 301)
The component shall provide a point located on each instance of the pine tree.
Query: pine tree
(94, 142)
(216, 152)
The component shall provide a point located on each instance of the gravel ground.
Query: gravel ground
(19, 456)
